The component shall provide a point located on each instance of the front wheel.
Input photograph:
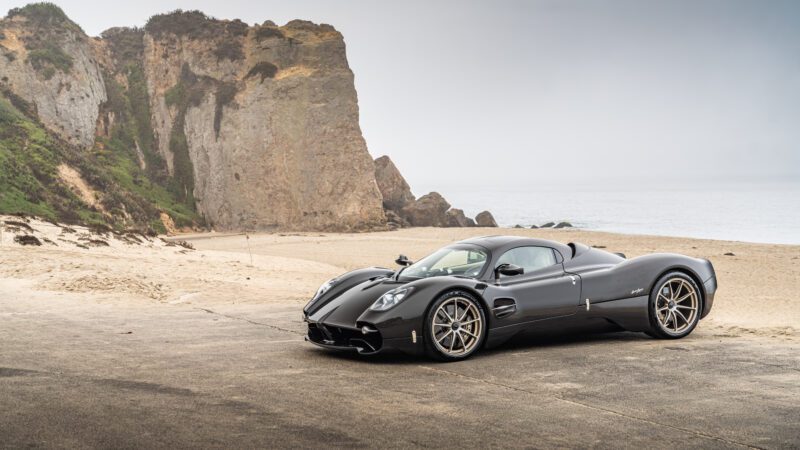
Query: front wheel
(674, 306)
(455, 326)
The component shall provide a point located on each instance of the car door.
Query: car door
(544, 290)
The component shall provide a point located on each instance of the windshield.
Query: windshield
(463, 260)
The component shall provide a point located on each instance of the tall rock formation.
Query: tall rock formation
(260, 124)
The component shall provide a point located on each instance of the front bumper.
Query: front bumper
(341, 338)
(346, 339)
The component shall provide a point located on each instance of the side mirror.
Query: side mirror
(403, 260)
(508, 270)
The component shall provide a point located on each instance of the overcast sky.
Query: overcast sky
(515, 93)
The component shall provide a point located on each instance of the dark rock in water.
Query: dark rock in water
(27, 239)
(485, 219)
(518, 226)
(548, 225)
(456, 218)
(730, 254)
(563, 225)
(428, 211)
(534, 227)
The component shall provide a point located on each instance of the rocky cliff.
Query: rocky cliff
(260, 124)
(190, 121)
(48, 61)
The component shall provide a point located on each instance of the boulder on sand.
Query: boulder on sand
(485, 219)
(563, 225)
(456, 218)
(428, 211)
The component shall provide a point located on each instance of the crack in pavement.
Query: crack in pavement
(593, 407)
(253, 322)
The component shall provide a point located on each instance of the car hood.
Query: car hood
(347, 307)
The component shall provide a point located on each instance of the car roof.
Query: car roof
(502, 243)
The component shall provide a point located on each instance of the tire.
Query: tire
(449, 338)
(674, 307)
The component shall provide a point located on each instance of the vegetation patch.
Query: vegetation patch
(30, 183)
(125, 44)
(229, 49)
(47, 27)
(226, 92)
(195, 25)
(44, 14)
(49, 58)
(189, 92)
(265, 69)
(266, 32)
(118, 152)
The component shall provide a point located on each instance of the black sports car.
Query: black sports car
(482, 291)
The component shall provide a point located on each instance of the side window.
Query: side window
(529, 258)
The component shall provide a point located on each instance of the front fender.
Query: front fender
(409, 315)
(345, 283)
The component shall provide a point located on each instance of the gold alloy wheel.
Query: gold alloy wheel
(676, 305)
(456, 326)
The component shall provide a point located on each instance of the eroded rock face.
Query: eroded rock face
(394, 188)
(269, 117)
(485, 219)
(52, 66)
(428, 211)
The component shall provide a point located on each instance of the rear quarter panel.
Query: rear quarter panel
(637, 276)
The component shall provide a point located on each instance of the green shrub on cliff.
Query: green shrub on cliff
(195, 25)
(29, 182)
(44, 14)
(118, 153)
(48, 58)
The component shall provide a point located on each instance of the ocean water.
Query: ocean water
(765, 212)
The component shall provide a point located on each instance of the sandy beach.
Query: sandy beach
(757, 284)
(204, 347)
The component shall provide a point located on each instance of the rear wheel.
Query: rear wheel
(455, 326)
(674, 306)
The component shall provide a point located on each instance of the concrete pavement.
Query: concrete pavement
(80, 372)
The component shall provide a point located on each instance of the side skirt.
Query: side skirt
(628, 314)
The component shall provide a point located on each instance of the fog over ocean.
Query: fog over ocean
(765, 212)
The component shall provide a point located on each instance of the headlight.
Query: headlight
(326, 286)
(390, 299)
